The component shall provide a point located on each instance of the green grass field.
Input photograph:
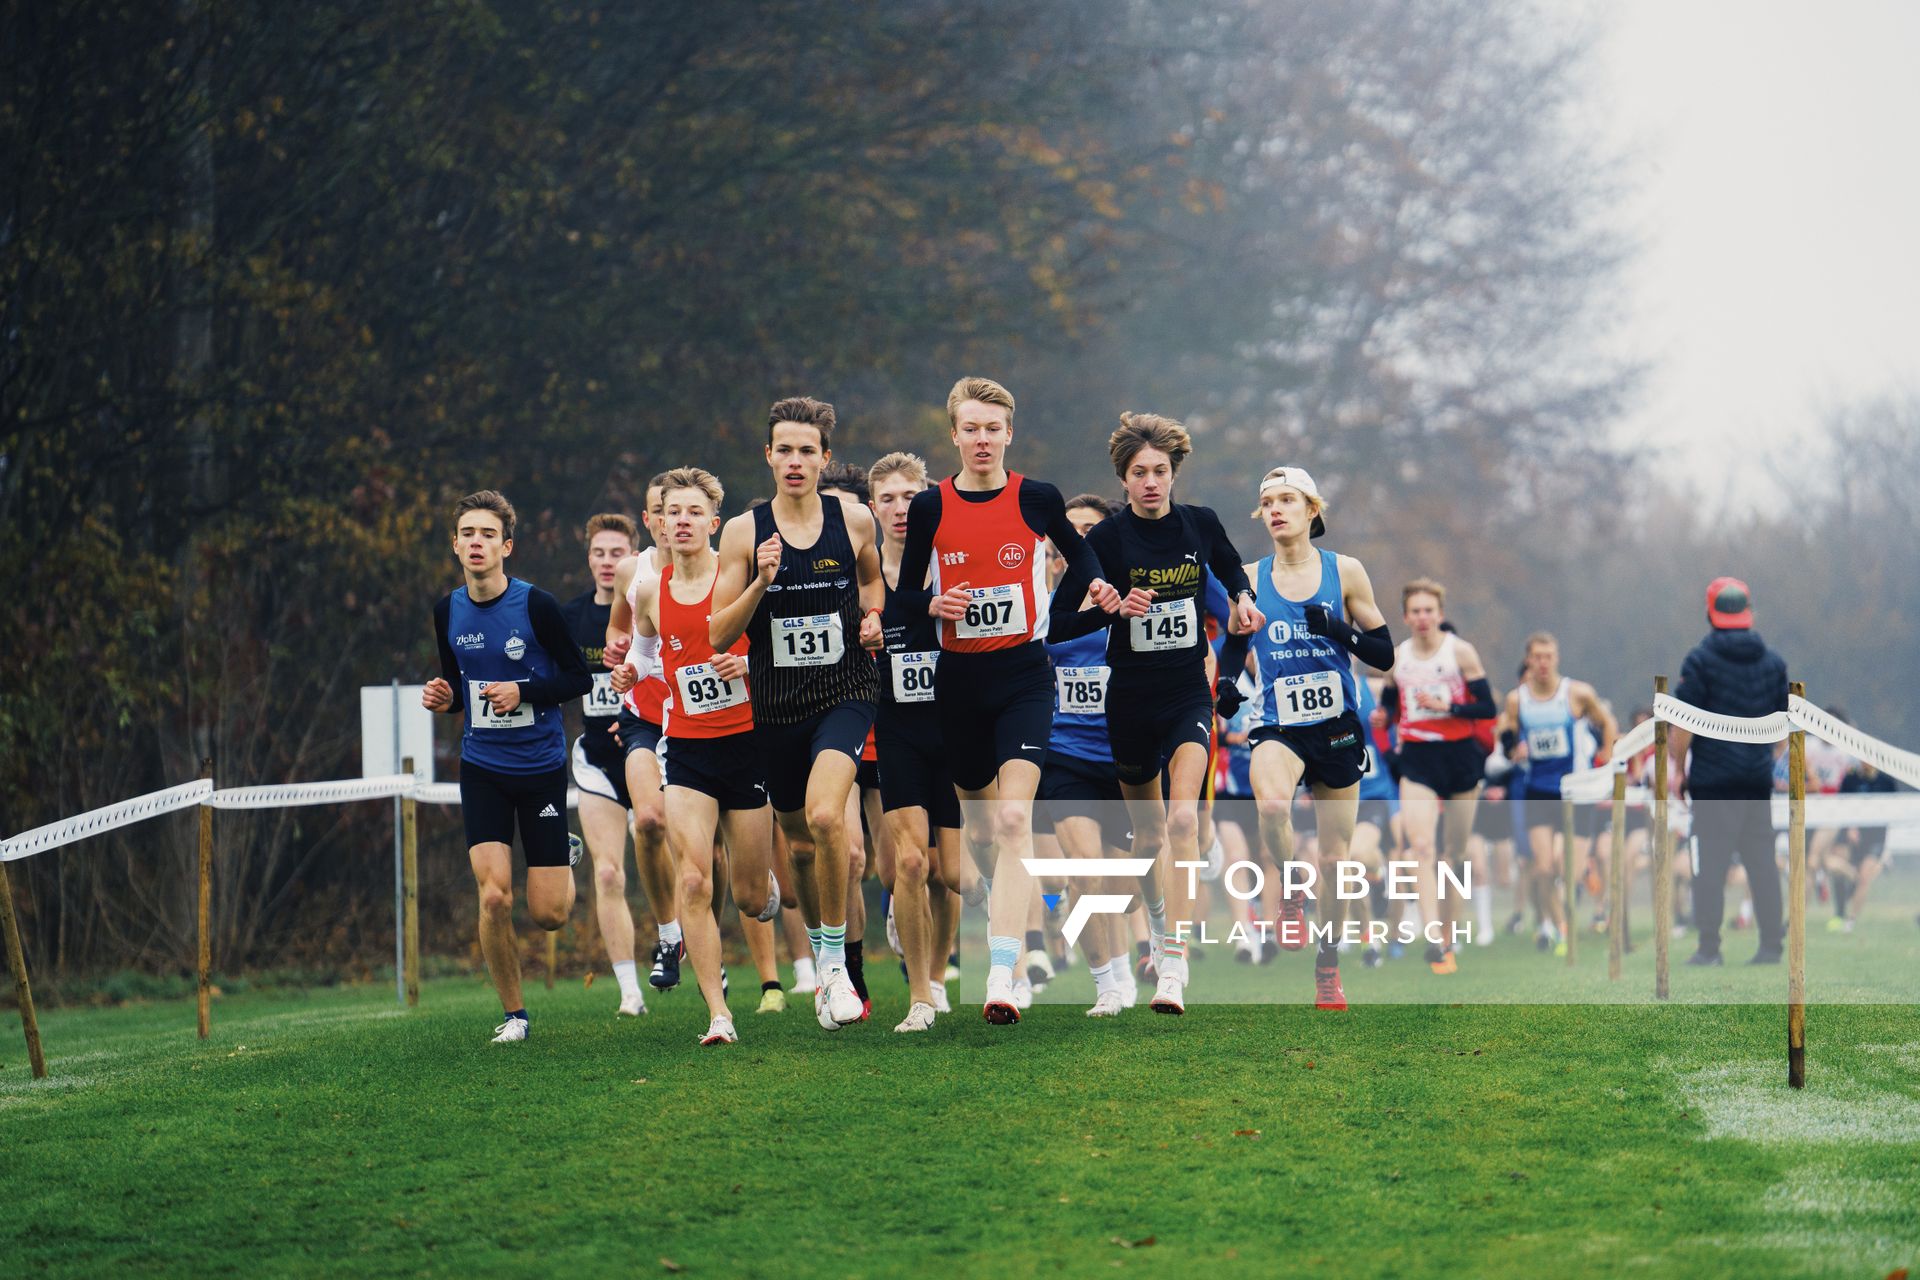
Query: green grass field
(321, 1133)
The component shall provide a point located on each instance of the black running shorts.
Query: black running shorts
(637, 734)
(913, 764)
(787, 751)
(726, 768)
(1447, 769)
(994, 707)
(597, 776)
(1150, 716)
(1071, 787)
(1333, 751)
(493, 803)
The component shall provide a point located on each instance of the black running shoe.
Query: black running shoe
(666, 965)
(1705, 958)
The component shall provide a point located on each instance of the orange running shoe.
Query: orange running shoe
(1290, 926)
(1327, 992)
(1446, 964)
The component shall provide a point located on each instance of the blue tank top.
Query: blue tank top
(492, 643)
(1546, 726)
(1300, 678)
(1376, 783)
(1080, 674)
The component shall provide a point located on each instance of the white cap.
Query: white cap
(1296, 478)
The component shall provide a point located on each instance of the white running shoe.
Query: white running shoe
(1129, 985)
(1170, 996)
(1107, 1004)
(511, 1031)
(631, 1006)
(940, 1002)
(893, 931)
(1000, 1008)
(841, 1005)
(952, 973)
(720, 1031)
(1039, 967)
(773, 900)
(804, 978)
(1215, 856)
(919, 1018)
(1022, 993)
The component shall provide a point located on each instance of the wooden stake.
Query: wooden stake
(22, 991)
(1617, 878)
(206, 908)
(1566, 876)
(1662, 853)
(410, 880)
(1797, 902)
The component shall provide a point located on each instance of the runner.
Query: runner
(993, 689)
(1079, 793)
(638, 728)
(508, 662)
(713, 775)
(1537, 725)
(921, 810)
(800, 577)
(1378, 803)
(1309, 722)
(1160, 702)
(1440, 687)
(599, 765)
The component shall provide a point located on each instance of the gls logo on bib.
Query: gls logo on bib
(1279, 631)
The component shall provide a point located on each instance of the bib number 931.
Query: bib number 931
(702, 692)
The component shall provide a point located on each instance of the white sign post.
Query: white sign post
(394, 727)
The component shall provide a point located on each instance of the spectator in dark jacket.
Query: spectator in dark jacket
(1732, 673)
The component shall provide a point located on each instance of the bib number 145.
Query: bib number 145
(1168, 625)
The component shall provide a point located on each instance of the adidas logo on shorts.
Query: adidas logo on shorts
(549, 812)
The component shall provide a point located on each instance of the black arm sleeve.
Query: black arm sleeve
(1223, 557)
(571, 679)
(1233, 657)
(1065, 618)
(449, 664)
(1480, 704)
(907, 603)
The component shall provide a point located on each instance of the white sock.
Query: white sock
(803, 975)
(1483, 913)
(670, 932)
(1103, 979)
(628, 975)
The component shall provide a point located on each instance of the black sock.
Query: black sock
(1327, 957)
(1036, 940)
(770, 986)
(520, 1014)
(856, 969)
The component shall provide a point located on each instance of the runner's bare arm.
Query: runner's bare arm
(1585, 702)
(866, 564)
(737, 586)
(620, 620)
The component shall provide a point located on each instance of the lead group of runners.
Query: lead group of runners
(941, 657)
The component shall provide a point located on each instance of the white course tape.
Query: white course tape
(449, 793)
(1632, 743)
(95, 821)
(1708, 724)
(289, 794)
(1888, 759)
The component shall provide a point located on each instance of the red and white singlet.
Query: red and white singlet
(989, 546)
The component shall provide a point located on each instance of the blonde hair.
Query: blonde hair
(899, 463)
(612, 520)
(693, 478)
(985, 390)
(1423, 586)
(1315, 502)
(1147, 431)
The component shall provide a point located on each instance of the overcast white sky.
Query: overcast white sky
(1776, 146)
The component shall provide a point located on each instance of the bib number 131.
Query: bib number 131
(816, 641)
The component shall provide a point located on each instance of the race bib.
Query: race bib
(1080, 691)
(1548, 744)
(601, 699)
(991, 612)
(818, 641)
(1412, 710)
(1168, 625)
(1308, 699)
(913, 674)
(481, 715)
(702, 692)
